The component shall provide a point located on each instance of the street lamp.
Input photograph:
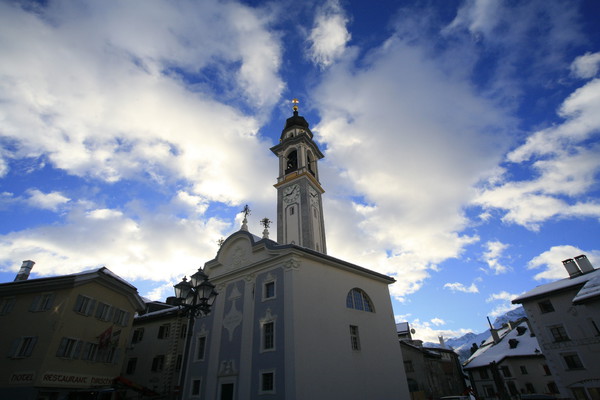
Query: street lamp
(195, 298)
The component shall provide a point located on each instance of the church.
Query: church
(290, 321)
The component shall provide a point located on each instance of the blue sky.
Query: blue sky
(461, 139)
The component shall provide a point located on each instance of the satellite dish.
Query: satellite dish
(412, 331)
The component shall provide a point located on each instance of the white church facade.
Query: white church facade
(291, 322)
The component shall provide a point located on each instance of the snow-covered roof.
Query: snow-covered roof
(590, 290)
(152, 314)
(525, 345)
(561, 284)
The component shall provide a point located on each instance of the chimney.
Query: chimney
(494, 332)
(584, 264)
(442, 343)
(25, 270)
(572, 268)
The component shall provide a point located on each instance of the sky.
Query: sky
(461, 139)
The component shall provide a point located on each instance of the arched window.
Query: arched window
(291, 162)
(359, 300)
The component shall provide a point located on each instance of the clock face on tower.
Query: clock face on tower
(291, 193)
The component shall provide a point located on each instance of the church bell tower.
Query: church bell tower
(299, 203)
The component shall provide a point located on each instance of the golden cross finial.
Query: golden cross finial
(295, 102)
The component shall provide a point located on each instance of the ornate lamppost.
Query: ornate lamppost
(195, 298)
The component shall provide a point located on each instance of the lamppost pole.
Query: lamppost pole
(196, 297)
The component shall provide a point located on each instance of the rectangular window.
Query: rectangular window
(138, 335)
(108, 355)
(483, 373)
(23, 347)
(269, 290)
(121, 317)
(158, 363)
(545, 306)
(131, 364)
(201, 348)
(559, 334)
(163, 331)
(69, 348)
(546, 369)
(529, 387)
(552, 388)
(267, 382)
(42, 302)
(523, 370)
(408, 366)
(90, 351)
(595, 327)
(196, 387)
(84, 305)
(354, 338)
(505, 371)
(292, 210)
(6, 305)
(269, 336)
(489, 390)
(104, 312)
(572, 361)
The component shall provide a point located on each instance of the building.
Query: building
(153, 360)
(64, 336)
(431, 372)
(510, 364)
(565, 316)
(291, 322)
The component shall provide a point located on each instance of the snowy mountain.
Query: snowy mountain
(462, 344)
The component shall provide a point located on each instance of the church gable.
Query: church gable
(239, 250)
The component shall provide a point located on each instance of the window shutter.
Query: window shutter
(10, 304)
(29, 348)
(126, 318)
(91, 306)
(78, 349)
(99, 310)
(14, 346)
(111, 313)
(49, 303)
(117, 356)
(35, 304)
(86, 351)
(78, 303)
(61, 347)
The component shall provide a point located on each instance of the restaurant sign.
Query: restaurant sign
(64, 379)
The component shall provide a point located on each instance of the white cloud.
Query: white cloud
(564, 162)
(48, 201)
(459, 287)
(408, 141)
(505, 304)
(551, 264)
(329, 35)
(428, 331)
(135, 243)
(493, 254)
(102, 91)
(586, 66)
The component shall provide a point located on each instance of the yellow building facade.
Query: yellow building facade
(65, 336)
